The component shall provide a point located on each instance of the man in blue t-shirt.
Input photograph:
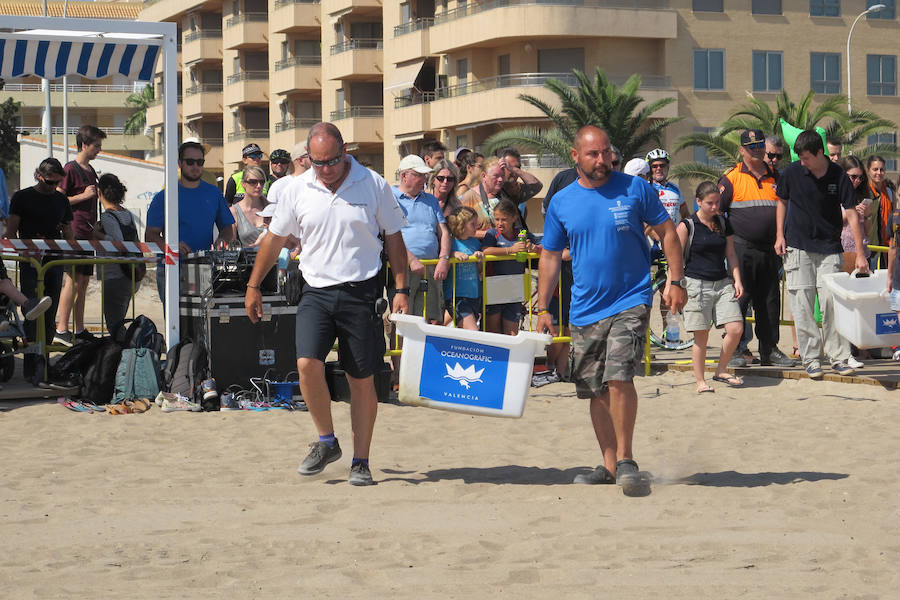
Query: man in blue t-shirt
(601, 219)
(200, 207)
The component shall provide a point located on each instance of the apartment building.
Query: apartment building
(99, 102)
(394, 74)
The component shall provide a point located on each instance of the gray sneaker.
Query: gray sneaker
(814, 371)
(842, 368)
(320, 454)
(599, 475)
(360, 475)
(631, 479)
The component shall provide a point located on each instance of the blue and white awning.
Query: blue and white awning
(26, 53)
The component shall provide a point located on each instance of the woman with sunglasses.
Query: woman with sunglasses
(442, 185)
(882, 205)
(249, 224)
(854, 169)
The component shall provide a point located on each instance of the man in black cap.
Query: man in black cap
(251, 157)
(748, 195)
(279, 164)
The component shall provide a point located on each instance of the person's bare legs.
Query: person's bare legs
(64, 310)
(12, 292)
(613, 416)
(363, 410)
(733, 333)
(698, 357)
(81, 285)
(315, 393)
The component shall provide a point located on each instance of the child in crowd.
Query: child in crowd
(712, 294)
(463, 285)
(503, 240)
(32, 308)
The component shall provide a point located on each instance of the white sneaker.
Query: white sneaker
(855, 363)
(896, 355)
(179, 403)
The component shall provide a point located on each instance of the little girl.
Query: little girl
(503, 240)
(462, 290)
(712, 294)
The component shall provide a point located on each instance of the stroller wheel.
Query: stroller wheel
(7, 363)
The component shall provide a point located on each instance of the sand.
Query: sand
(781, 489)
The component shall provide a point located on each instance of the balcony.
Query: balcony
(496, 98)
(200, 45)
(215, 155)
(557, 19)
(360, 124)
(411, 40)
(247, 87)
(288, 133)
(167, 10)
(296, 16)
(414, 118)
(156, 112)
(116, 139)
(297, 73)
(330, 7)
(247, 30)
(80, 94)
(360, 59)
(203, 98)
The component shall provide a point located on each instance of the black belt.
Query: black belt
(352, 285)
(762, 247)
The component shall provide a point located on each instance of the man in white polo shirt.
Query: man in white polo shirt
(337, 210)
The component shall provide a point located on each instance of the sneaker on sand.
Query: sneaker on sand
(854, 363)
(84, 336)
(179, 403)
(64, 338)
(33, 308)
(208, 387)
(814, 371)
(360, 475)
(228, 401)
(320, 454)
(842, 368)
(600, 475)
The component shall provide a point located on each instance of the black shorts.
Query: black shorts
(81, 269)
(345, 312)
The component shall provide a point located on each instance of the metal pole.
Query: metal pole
(47, 121)
(871, 9)
(65, 101)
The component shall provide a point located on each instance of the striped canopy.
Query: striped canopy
(26, 53)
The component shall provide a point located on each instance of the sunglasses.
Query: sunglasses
(755, 146)
(254, 155)
(281, 162)
(327, 163)
(52, 182)
(774, 155)
(193, 161)
(659, 165)
(254, 181)
(443, 178)
(855, 177)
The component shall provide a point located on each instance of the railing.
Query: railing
(243, 134)
(280, 3)
(416, 97)
(472, 9)
(202, 88)
(248, 17)
(357, 111)
(159, 100)
(298, 61)
(213, 142)
(202, 34)
(357, 44)
(304, 123)
(37, 130)
(247, 75)
(73, 87)
(543, 161)
(414, 25)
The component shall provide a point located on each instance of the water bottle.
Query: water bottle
(523, 237)
(673, 330)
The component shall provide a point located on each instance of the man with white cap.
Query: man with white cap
(637, 167)
(426, 237)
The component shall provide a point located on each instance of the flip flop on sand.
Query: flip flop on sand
(704, 388)
(729, 380)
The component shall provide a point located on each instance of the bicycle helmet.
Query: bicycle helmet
(279, 156)
(658, 154)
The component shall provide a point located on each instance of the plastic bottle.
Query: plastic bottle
(523, 237)
(673, 329)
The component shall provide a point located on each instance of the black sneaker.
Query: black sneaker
(84, 336)
(777, 358)
(33, 308)
(360, 475)
(600, 475)
(64, 339)
(631, 479)
(320, 454)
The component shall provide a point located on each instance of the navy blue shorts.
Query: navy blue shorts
(510, 312)
(464, 308)
(345, 312)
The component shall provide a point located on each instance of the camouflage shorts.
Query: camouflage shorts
(609, 350)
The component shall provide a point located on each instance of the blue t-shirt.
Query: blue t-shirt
(495, 239)
(199, 209)
(424, 216)
(604, 230)
(467, 282)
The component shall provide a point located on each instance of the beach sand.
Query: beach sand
(782, 489)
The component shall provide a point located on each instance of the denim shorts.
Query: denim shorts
(895, 300)
(511, 312)
(464, 308)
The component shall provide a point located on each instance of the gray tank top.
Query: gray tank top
(247, 232)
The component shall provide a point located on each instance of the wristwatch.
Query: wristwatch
(678, 282)
(445, 257)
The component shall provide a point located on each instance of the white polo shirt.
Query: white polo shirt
(338, 231)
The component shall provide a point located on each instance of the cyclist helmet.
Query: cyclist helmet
(658, 154)
(279, 156)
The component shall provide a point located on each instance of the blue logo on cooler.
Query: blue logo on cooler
(462, 372)
(886, 323)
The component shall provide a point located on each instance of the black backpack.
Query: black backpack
(99, 381)
(187, 365)
(139, 333)
(69, 369)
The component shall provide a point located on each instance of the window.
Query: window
(825, 72)
(766, 7)
(889, 13)
(709, 69)
(767, 71)
(462, 70)
(462, 141)
(824, 8)
(503, 64)
(881, 75)
(884, 138)
(707, 5)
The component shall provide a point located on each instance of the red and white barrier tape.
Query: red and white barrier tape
(105, 246)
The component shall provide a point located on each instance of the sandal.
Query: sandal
(119, 409)
(139, 405)
(729, 380)
(704, 389)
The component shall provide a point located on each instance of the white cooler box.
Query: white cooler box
(862, 309)
(466, 371)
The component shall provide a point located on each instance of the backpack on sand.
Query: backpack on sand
(139, 333)
(71, 367)
(137, 375)
(187, 365)
(99, 381)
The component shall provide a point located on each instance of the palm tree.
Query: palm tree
(722, 150)
(138, 119)
(599, 102)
